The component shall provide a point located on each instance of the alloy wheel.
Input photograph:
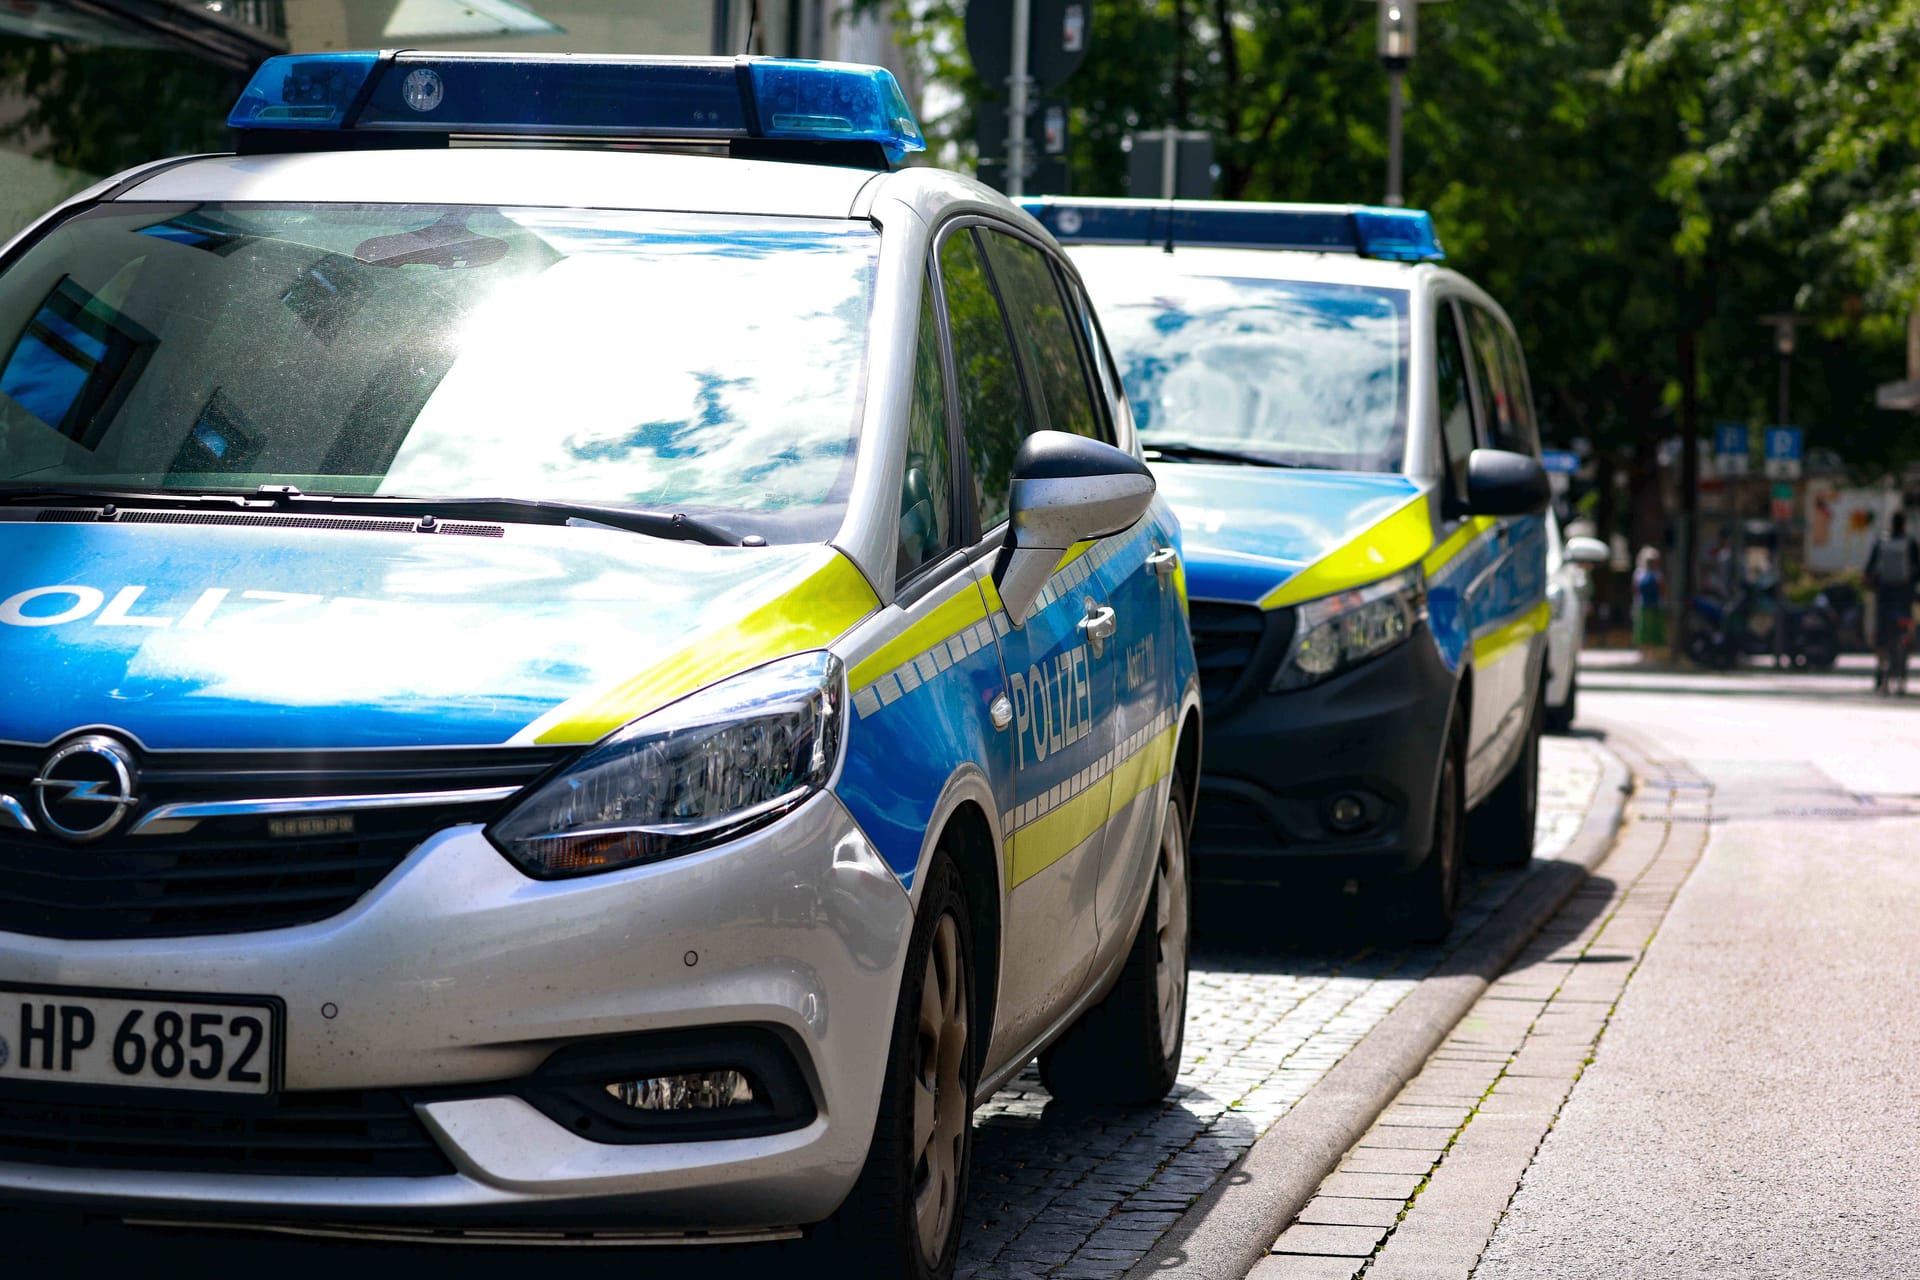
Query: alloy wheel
(1171, 924)
(940, 1090)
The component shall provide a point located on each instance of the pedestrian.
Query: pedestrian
(1893, 570)
(1649, 605)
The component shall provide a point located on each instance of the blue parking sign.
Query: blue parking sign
(1783, 444)
(1560, 461)
(1730, 438)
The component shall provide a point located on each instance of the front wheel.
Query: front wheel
(1500, 832)
(1126, 1049)
(903, 1216)
(1428, 896)
(1560, 718)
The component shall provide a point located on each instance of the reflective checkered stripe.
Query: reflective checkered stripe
(926, 668)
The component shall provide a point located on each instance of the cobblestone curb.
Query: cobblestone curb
(1234, 1223)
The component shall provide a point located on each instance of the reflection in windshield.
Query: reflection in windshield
(1312, 374)
(697, 363)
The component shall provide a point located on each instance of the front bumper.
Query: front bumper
(457, 971)
(1277, 762)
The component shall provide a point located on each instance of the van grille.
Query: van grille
(1226, 639)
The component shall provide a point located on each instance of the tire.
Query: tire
(1428, 896)
(1560, 718)
(1500, 831)
(1125, 1050)
(904, 1214)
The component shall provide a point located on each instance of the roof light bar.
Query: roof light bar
(1400, 235)
(572, 95)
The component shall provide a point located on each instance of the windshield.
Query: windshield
(701, 364)
(1289, 371)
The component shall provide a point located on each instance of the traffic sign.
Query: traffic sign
(1560, 461)
(1730, 448)
(1784, 452)
(1061, 31)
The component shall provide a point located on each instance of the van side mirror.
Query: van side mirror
(1587, 551)
(1066, 489)
(1500, 483)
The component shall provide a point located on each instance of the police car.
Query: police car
(622, 686)
(1346, 431)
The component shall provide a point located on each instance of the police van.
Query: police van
(1346, 431)
(621, 676)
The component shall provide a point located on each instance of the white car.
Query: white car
(1567, 591)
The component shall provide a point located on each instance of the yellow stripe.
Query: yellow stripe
(807, 616)
(1045, 841)
(1074, 552)
(1143, 770)
(1066, 827)
(1456, 542)
(1385, 548)
(956, 615)
(1497, 643)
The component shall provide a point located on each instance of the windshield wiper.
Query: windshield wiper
(1180, 450)
(285, 497)
(656, 524)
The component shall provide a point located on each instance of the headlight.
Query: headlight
(1557, 601)
(693, 774)
(1337, 631)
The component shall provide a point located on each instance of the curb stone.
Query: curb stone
(1233, 1225)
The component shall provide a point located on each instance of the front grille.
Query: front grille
(358, 1134)
(1226, 638)
(235, 875)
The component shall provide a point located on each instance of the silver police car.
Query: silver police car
(617, 685)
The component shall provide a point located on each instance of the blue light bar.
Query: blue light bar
(1400, 235)
(572, 95)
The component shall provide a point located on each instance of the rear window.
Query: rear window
(705, 364)
(1304, 373)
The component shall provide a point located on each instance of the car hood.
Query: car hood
(1269, 537)
(209, 637)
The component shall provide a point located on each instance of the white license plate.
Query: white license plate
(148, 1042)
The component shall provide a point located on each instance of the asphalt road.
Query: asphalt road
(1751, 1108)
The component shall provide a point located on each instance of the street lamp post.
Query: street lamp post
(1784, 324)
(1399, 32)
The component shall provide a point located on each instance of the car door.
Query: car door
(1060, 692)
(1512, 593)
(1130, 570)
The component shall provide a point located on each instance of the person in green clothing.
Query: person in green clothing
(1649, 604)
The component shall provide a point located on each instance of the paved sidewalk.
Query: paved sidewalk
(1419, 1196)
(1087, 1195)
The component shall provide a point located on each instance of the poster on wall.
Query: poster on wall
(1842, 524)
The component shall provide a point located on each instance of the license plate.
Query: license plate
(148, 1042)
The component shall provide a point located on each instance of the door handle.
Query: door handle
(1099, 625)
(1163, 562)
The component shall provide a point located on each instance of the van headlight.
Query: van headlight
(1342, 630)
(695, 773)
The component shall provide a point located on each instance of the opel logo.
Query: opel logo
(86, 787)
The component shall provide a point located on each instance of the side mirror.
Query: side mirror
(1587, 551)
(1066, 489)
(1500, 483)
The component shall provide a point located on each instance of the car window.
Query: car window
(410, 350)
(926, 491)
(1499, 394)
(1527, 425)
(1306, 373)
(993, 405)
(1048, 349)
(1455, 399)
(1111, 399)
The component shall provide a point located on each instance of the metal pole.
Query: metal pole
(1169, 162)
(1017, 89)
(1780, 527)
(1394, 77)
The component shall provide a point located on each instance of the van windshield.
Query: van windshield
(1294, 372)
(695, 363)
